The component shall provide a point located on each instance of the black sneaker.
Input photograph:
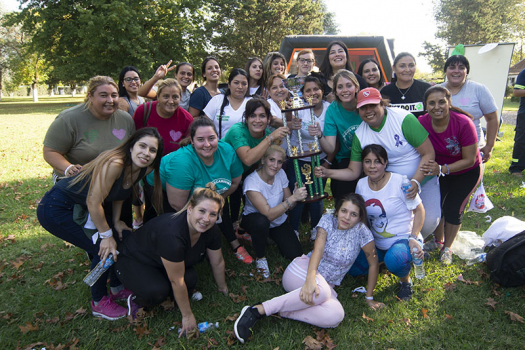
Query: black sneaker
(405, 292)
(244, 324)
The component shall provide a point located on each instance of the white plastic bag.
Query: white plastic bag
(480, 202)
(467, 244)
(503, 229)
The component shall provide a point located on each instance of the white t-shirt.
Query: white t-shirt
(341, 249)
(389, 218)
(272, 193)
(306, 117)
(253, 90)
(230, 115)
(276, 112)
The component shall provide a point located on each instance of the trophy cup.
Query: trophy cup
(315, 192)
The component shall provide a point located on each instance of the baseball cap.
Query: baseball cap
(368, 96)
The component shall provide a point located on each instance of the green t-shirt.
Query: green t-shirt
(183, 169)
(239, 136)
(341, 123)
(82, 137)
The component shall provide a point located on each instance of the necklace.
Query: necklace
(377, 182)
(406, 92)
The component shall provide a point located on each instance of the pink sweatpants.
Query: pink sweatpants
(327, 311)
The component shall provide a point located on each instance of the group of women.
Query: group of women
(192, 157)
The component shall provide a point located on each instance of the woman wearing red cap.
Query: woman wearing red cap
(407, 145)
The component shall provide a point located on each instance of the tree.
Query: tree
(435, 55)
(471, 22)
(9, 48)
(81, 38)
(253, 28)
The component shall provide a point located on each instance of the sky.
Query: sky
(408, 22)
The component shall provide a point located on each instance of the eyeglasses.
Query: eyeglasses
(304, 60)
(129, 80)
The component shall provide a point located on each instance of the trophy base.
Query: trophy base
(297, 108)
(304, 154)
(315, 198)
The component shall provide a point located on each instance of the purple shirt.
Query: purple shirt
(460, 132)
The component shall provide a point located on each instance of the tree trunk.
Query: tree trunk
(35, 92)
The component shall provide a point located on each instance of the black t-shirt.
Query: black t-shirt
(413, 101)
(168, 236)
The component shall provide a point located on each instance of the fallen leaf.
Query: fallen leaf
(514, 317)
(354, 295)
(16, 264)
(81, 311)
(312, 344)
(428, 290)
(39, 266)
(482, 273)
(406, 321)
(495, 291)
(244, 288)
(449, 317)
(141, 330)
(424, 312)
(7, 316)
(28, 328)
(11, 238)
(237, 298)
(53, 320)
(232, 317)
(449, 287)
(367, 318)
(167, 305)
(492, 303)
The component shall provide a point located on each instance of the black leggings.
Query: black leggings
(455, 192)
(284, 236)
(341, 188)
(149, 284)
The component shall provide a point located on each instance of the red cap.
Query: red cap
(368, 96)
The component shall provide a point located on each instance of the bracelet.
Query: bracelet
(327, 162)
(287, 202)
(369, 298)
(270, 140)
(418, 186)
(320, 137)
(65, 172)
(411, 237)
(448, 170)
(107, 234)
(285, 208)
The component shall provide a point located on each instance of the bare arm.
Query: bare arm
(373, 271)
(235, 184)
(349, 174)
(492, 132)
(250, 156)
(260, 203)
(194, 112)
(123, 105)
(146, 89)
(419, 218)
(118, 224)
(175, 271)
(176, 197)
(217, 266)
(310, 285)
(426, 151)
(469, 154)
(59, 163)
(518, 92)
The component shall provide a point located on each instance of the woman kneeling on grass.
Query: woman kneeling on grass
(107, 180)
(158, 259)
(309, 280)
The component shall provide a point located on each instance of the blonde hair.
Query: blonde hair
(272, 149)
(200, 194)
(304, 52)
(93, 85)
(343, 73)
(166, 83)
(269, 82)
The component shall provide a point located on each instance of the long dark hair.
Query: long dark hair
(93, 169)
(205, 62)
(267, 64)
(381, 81)
(260, 82)
(122, 92)
(358, 201)
(326, 68)
(235, 72)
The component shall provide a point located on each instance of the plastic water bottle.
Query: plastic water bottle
(405, 185)
(477, 259)
(419, 270)
(101, 267)
(204, 326)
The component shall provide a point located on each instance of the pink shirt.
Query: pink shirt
(460, 132)
(172, 129)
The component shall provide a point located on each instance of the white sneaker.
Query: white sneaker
(313, 234)
(262, 267)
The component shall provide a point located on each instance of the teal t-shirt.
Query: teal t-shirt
(183, 169)
(239, 136)
(341, 123)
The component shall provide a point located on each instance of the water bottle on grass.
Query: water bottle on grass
(477, 259)
(204, 326)
(419, 270)
(101, 267)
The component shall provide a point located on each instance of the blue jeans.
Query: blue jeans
(316, 208)
(55, 214)
(397, 258)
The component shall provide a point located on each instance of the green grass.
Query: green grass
(508, 105)
(456, 319)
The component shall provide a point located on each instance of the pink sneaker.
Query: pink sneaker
(122, 295)
(243, 255)
(108, 309)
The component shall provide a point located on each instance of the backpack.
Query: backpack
(507, 262)
(147, 111)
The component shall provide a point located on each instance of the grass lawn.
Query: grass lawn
(46, 304)
(508, 105)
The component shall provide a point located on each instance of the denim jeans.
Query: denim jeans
(55, 214)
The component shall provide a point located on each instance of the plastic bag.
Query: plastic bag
(467, 244)
(480, 202)
(502, 229)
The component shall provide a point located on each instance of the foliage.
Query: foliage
(10, 42)
(436, 56)
(80, 39)
(253, 28)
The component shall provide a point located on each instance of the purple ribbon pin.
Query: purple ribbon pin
(398, 143)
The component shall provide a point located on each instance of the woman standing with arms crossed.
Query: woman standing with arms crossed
(106, 181)
(184, 73)
(405, 91)
(458, 163)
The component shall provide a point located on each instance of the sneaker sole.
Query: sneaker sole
(237, 322)
(100, 315)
